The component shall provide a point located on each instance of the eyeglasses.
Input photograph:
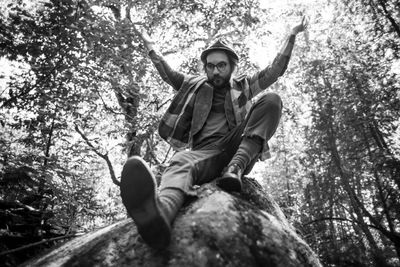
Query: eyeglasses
(220, 66)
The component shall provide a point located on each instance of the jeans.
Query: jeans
(196, 167)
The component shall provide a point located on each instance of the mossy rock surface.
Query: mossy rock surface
(214, 229)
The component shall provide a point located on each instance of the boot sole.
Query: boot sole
(139, 195)
(230, 184)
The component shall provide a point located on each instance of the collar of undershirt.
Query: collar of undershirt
(222, 90)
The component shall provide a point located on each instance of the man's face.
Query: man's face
(218, 68)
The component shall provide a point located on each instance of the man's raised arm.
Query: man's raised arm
(264, 78)
(172, 77)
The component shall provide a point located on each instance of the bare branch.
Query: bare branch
(103, 156)
(110, 109)
(339, 219)
(166, 155)
(37, 244)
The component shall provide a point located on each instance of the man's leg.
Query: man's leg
(186, 169)
(139, 195)
(259, 126)
(153, 213)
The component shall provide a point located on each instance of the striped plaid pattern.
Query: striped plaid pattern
(176, 122)
(244, 87)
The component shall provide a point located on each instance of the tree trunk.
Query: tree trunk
(214, 229)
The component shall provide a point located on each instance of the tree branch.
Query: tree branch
(103, 156)
(390, 17)
(339, 219)
(166, 155)
(110, 109)
(37, 244)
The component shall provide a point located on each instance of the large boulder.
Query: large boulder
(215, 229)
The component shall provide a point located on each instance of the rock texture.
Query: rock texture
(215, 229)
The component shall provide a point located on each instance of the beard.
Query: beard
(219, 81)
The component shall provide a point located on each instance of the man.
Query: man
(214, 116)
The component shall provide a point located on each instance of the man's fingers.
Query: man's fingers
(304, 22)
(138, 32)
(142, 33)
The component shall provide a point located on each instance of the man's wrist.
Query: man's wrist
(149, 47)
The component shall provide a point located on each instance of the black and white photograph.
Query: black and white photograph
(201, 133)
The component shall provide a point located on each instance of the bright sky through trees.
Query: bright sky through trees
(66, 68)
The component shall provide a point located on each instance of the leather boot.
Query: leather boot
(231, 179)
(139, 195)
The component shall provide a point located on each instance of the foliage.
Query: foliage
(80, 94)
(80, 82)
(350, 150)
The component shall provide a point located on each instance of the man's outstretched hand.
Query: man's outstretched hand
(301, 27)
(145, 37)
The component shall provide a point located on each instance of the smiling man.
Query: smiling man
(212, 115)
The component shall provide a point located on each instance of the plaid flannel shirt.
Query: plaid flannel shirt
(176, 124)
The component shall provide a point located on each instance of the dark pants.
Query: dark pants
(196, 167)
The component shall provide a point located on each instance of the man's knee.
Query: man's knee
(179, 165)
(271, 98)
(270, 101)
(182, 158)
(179, 172)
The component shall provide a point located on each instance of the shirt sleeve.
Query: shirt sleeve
(172, 77)
(264, 78)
